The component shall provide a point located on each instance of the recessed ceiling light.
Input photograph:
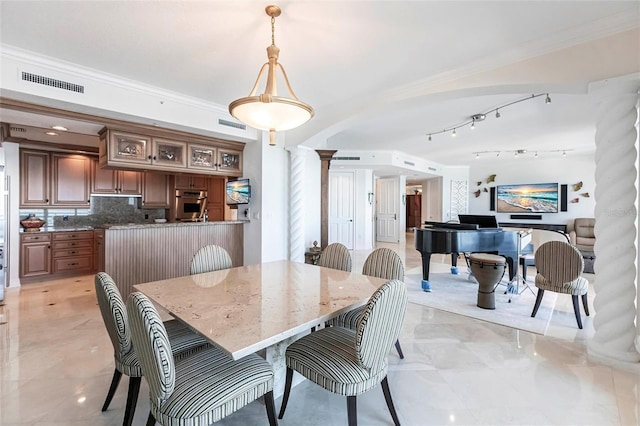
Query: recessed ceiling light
(61, 128)
(51, 133)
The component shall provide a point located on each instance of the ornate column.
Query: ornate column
(325, 156)
(616, 229)
(296, 203)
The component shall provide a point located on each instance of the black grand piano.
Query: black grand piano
(474, 233)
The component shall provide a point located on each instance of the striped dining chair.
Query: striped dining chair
(335, 256)
(382, 263)
(350, 362)
(560, 266)
(196, 390)
(210, 258)
(114, 315)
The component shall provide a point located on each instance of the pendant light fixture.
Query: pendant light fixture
(269, 111)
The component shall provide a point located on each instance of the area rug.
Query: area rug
(458, 294)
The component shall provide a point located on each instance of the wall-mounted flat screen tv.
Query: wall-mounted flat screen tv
(238, 192)
(528, 198)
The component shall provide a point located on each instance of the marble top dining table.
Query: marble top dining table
(248, 308)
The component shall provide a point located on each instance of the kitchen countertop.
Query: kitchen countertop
(130, 226)
(60, 229)
(170, 224)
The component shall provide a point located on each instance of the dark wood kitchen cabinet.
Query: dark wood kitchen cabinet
(51, 255)
(191, 182)
(117, 182)
(155, 191)
(72, 252)
(54, 180)
(35, 254)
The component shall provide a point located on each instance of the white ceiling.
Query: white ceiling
(380, 74)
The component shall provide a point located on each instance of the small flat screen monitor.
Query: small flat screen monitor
(483, 221)
(238, 192)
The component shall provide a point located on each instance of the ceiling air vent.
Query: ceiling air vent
(432, 169)
(346, 158)
(14, 129)
(409, 163)
(52, 82)
(231, 124)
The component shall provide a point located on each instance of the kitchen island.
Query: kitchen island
(139, 253)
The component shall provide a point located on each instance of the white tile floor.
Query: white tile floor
(56, 364)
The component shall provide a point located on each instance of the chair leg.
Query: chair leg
(352, 411)
(287, 390)
(538, 300)
(576, 310)
(132, 400)
(151, 421)
(399, 349)
(112, 389)
(271, 408)
(585, 304)
(387, 397)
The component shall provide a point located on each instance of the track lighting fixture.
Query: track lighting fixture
(473, 119)
(519, 152)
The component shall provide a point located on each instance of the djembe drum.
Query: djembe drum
(488, 270)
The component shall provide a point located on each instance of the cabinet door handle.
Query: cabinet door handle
(72, 244)
(71, 264)
(149, 157)
(154, 158)
(72, 252)
(46, 201)
(48, 247)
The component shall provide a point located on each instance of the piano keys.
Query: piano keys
(449, 238)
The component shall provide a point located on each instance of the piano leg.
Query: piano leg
(513, 267)
(454, 263)
(426, 259)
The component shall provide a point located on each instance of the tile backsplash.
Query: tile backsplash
(103, 210)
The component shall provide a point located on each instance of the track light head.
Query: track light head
(453, 133)
(497, 113)
(547, 99)
(429, 138)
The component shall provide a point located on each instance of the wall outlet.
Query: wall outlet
(246, 214)
(65, 218)
(146, 216)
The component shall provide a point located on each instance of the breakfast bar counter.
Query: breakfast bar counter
(139, 253)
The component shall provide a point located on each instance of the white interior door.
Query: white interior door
(341, 208)
(387, 204)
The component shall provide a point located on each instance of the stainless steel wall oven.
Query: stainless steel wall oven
(190, 205)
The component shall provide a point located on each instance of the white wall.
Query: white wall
(266, 237)
(563, 170)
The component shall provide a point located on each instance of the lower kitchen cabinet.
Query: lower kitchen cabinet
(35, 255)
(72, 252)
(52, 255)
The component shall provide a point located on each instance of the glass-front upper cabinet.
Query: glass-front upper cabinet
(169, 153)
(230, 161)
(129, 148)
